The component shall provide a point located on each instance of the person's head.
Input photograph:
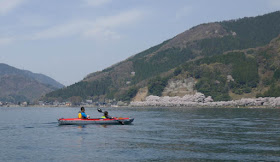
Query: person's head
(82, 109)
(105, 113)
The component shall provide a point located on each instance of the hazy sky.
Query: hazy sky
(68, 39)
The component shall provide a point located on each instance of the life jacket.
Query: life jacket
(108, 117)
(80, 115)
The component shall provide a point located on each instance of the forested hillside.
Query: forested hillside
(228, 60)
(249, 72)
(21, 85)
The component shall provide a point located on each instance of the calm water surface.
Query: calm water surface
(157, 134)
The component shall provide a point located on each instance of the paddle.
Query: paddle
(121, 122)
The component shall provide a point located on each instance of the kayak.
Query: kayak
(78, 121)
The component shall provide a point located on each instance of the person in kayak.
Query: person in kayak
(82, 114)
(106, 116)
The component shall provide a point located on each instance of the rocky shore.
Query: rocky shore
(200, 100)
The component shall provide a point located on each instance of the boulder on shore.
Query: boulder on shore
(199, 100)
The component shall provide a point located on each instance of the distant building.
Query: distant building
(68, 104)
(56, 103)
(24, 104)
(132, 73)
(41, 103)
(89, 101)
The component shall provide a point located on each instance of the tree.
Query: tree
(277, 74)
(75, 100)
(157, 85)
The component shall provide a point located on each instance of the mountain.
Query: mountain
(250, 73)
(226, 60)
(21, 85)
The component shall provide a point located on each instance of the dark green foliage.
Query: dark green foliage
(212, 82)
(217, 88)
(141, 55)
(111, 94)
(245, 72)
(247, 90)
(129, 94)
(148, 51)
(268, 81)
(255, 31)
(157, 85)
(177, 71)
(273, 91)
(250, 33)
(14, 98)
(237, 89)
(215, 46)
(277, 74)
(250, 51)
(244, 69)
(163, 61)
(83, 89)
(229, 58)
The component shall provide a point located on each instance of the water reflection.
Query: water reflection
(81, 127)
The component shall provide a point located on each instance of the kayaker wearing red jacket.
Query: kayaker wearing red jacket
(82, 114)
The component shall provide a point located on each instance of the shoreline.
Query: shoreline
(199, 100)
(148, 106)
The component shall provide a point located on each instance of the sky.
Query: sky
(69, 39)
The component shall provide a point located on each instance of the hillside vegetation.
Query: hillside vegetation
(229, 60)
(20, 85)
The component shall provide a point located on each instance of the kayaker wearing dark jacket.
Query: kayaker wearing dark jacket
(82, 114)
(106, 116)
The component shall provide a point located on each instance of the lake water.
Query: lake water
(157, 134)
